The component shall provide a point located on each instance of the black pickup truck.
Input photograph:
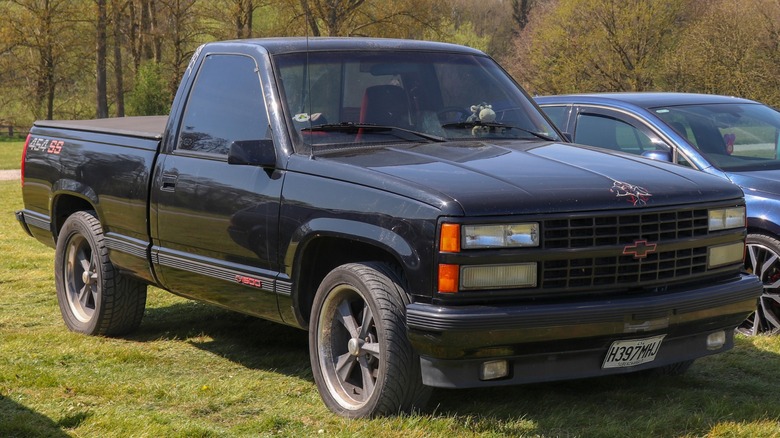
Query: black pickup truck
(407, 204)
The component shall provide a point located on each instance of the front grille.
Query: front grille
(599, 232)
(623, 270)
(585, 232)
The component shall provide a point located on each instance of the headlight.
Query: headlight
(500, 236)
(727, 218)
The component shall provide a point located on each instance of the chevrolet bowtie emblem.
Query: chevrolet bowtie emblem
(639, 249)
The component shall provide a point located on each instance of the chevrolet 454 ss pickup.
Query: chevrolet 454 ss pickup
(407, 204)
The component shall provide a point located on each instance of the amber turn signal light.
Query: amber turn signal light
(449, 278)
(450, 238)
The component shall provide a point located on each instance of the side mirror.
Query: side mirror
(252, 153)
(658, 155)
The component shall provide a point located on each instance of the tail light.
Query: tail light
(24, 157)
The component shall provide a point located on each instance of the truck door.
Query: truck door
(216, 222)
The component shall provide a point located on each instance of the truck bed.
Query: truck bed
(150, 127)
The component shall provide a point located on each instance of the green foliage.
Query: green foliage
(719, 54)
(10, 154)
(598, 45)
(150, 95)
(464, 35)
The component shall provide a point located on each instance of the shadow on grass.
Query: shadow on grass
(252, 342)
(733, 394)
(19, 421)
(735, 389)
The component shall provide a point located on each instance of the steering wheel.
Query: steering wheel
(502, 113)
(447, 111)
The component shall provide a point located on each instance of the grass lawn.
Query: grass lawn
(11, 154)
(194, 370)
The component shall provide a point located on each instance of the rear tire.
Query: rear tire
(362, 361)
(94, 298)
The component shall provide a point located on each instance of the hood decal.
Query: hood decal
(634, 194)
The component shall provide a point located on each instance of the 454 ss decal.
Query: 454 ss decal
(38, 144)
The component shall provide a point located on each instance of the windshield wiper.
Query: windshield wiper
(351, 127)
(470, 125)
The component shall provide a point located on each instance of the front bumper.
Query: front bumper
(567, 340)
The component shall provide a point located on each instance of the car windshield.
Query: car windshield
(358, 98)
(733, 137)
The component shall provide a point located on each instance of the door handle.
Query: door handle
(169, 183)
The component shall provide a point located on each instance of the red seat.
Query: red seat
(385, 105)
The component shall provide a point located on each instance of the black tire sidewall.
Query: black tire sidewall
(79, 224)
(762, 239)
(347, 275)
(752, 322)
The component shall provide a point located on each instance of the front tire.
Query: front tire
(763, 260)
(94, 298)
(362, 361)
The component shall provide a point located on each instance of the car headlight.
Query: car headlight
(726, 218)
(500, 236)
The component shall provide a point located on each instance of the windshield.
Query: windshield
(356, 98)
(732, 136)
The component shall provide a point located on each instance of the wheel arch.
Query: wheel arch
(328, 245)
(763, 226)
(66, 201)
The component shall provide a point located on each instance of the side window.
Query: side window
(225, 105)
(558, 114)
(610, 133)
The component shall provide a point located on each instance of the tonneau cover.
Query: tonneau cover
(151, 127)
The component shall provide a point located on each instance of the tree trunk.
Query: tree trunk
(145, 38)
(102, 98)
(117, 8)
(134, 43)
(46, 84)
(246, 9)
(155, 32)
(310, 19)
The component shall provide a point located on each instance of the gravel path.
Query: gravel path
(9, 175)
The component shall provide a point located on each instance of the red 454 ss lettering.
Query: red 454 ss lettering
(55, 147)
(38, 144)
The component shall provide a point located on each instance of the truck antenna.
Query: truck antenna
(307, 77)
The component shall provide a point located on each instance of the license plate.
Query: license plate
(632, 352)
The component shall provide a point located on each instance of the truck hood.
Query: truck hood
(521, 177)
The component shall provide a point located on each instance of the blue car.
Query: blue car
(737, 139)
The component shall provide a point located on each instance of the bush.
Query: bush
(150, 95)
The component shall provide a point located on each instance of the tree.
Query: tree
(150, 96)
(398, 18)
(490, 22)
(145, 37)
(182, 30)
(598, 45)
(719, 54)
(233, 19)
(521, 10)
(43, 33)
